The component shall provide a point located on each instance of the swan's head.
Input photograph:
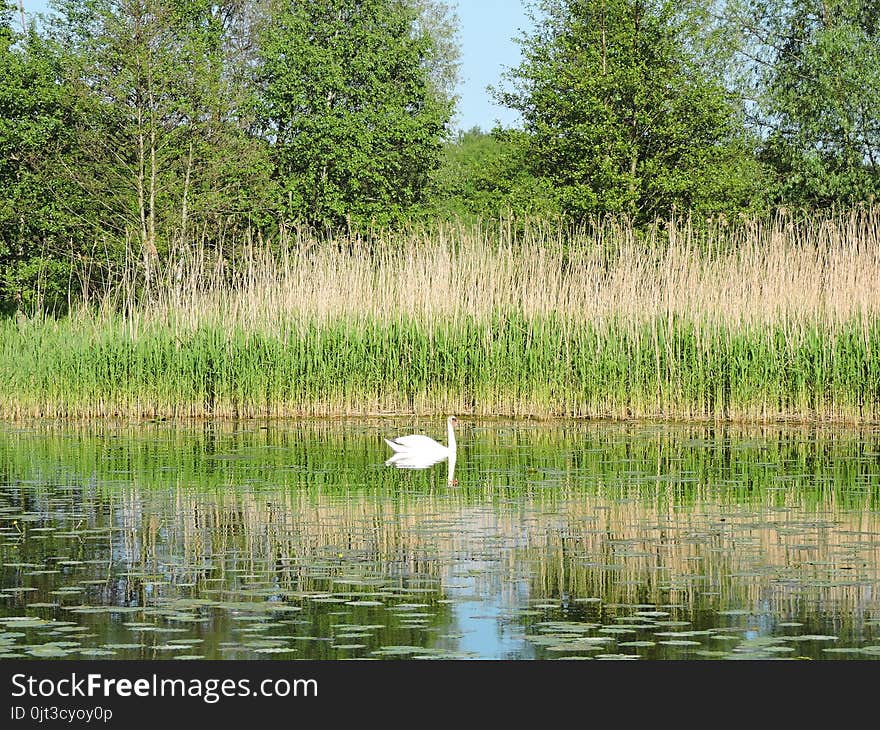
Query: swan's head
(452, 420)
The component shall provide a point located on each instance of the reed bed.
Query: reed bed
(766, 320)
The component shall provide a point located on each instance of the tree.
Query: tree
(817, 86)
(163, 121)
(35, 218)
(484, 174)
(627, 112)
(440, 22)
(353, 108)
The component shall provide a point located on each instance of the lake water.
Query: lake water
(559, 541)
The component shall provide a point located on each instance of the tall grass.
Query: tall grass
(758, 320)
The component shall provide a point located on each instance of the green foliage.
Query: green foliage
(36, 224)
(818, 86)
(624, 113)
(483, 174)
(40, 283)
(355, 118)
(161, 118)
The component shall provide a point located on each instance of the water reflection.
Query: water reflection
(560, 541)
(403, 460)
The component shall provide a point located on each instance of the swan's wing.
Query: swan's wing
(413, 441)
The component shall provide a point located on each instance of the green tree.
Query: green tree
(353, 108)
(627, 111)
(163, 119)
(37, 228)
(817, 86)
(485, 174)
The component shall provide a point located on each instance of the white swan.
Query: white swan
(420, 449)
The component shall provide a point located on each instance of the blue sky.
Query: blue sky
(487, 30)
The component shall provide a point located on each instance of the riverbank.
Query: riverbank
(756, 322)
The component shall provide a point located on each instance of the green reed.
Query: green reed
(512, 364)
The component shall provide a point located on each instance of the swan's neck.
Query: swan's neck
(451, 435)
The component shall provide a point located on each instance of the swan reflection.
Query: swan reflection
(422, 461)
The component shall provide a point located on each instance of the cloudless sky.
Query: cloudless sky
(487, 32)
(487, 29)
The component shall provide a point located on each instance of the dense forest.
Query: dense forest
(128, 124)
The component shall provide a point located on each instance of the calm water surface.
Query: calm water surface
(559, 541)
